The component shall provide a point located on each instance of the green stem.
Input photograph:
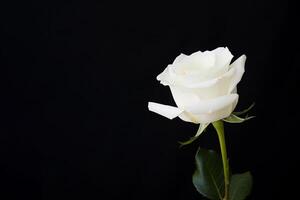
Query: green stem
(220, 131)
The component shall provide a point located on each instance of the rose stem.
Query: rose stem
(219, 126)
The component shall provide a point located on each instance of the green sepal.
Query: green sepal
(201, 129)
(235, 119)
(244, 111)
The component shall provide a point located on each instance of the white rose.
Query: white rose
(203, 86)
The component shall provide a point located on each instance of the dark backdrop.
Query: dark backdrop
(78, 76)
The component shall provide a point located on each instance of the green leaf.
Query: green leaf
(235, 119)
(240, 186)
(208, 177)
(201, 129)
(244, 111)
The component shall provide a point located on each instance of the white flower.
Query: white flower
(203, 86)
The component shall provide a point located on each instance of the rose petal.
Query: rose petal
(179, 58)
(203, 61)
(165, 110)
(185, 117)
(209, 89)
(165, 77)
(199, 70)
(215, 116)
(189, 117)
(212, 105)
(213, 110)
(239, 66)
(223, 59)
(204, 84)
(183, 97)
(223, 85)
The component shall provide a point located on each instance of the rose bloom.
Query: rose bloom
(203, 85)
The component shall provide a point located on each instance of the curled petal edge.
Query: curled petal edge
(167, 111)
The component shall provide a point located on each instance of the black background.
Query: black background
(78, 76)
